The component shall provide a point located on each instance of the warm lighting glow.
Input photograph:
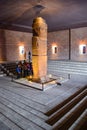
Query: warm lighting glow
(39, 20)
(30, 82)
(21, 49)
(50, 75)
(82, 42)
(30, 77)
(82, 49)
(54, 49)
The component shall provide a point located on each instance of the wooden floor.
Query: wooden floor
(24, 108)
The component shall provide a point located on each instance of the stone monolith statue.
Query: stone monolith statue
(39, 48)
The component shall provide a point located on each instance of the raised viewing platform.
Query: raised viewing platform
(43, 84)
(26, 108)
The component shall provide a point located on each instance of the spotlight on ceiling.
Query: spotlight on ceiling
(39, 5)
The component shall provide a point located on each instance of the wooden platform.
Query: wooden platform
(25, 108)
(41, 85)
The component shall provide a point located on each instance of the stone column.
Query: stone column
(39, 48)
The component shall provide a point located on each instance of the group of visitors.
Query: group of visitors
(24, 69)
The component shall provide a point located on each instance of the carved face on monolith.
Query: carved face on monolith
(39, 48)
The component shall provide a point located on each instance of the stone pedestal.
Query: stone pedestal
(39, 48)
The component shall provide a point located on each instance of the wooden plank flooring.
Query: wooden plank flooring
(24, 108)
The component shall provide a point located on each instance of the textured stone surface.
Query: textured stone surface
(39, 48)
(10, 41)
(61, 40)
(2, 45)
(15, 39)
(78, 37)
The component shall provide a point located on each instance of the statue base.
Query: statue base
(42, 84)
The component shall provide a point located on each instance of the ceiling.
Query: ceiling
(59, 14)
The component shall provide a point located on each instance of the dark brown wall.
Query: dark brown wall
(11, 40)
(2, 46)
(61, 40)
(15, 39)
(78, 37)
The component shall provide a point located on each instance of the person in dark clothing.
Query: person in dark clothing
(31, 69)
(18, 70)
(21, 66)
(25, 69)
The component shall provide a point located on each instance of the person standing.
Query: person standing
(18, 70)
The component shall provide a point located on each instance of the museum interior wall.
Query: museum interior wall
(58, 45)
(2, 46)
(79, 44)
(70, 45)
(62, 45)
(16, 45)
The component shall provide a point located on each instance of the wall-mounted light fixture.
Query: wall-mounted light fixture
(82, 49)
(54, 49)
(21, 50)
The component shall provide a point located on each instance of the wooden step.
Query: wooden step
(18, 115)
(67, 67)
(62, 111)
(14, 97)
(67, 120)
(54, 109)
(80, 123)
(13, 102)
(7, 124)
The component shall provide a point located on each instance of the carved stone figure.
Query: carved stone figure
(39, 48)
